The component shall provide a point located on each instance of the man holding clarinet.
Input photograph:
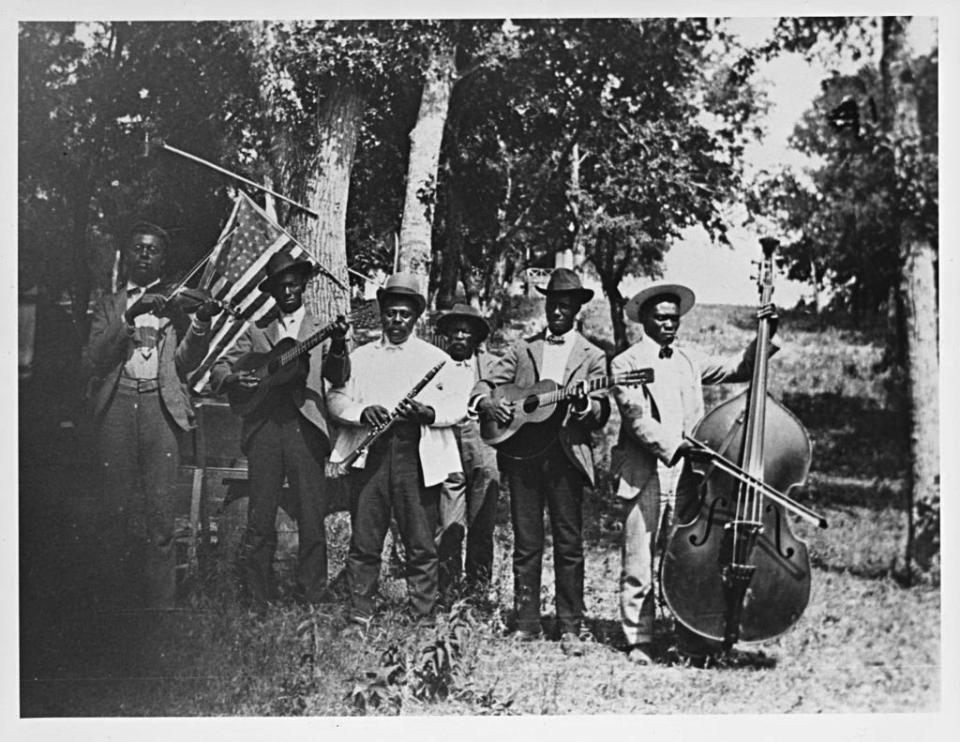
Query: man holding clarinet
(403, 468)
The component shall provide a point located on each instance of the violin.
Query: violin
(735, 572)
(189, 300)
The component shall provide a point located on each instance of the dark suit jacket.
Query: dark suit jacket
(521, 365)
(260, 337)
(110, 345)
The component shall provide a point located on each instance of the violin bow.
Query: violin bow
(726, 465)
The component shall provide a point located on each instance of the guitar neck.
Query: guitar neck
(305, 346)
(564, 393)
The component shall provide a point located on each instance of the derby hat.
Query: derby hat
(406, 285)
(565, 281)
(284, 263)
(469, 314)
(684, 297)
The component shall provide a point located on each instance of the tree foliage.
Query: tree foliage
(842, 215)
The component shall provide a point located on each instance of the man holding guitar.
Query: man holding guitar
(285, 432)
(556, 475)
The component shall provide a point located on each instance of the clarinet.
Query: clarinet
(340, 468)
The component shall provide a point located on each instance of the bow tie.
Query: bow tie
(556, 339)
(666, 351)
(134, 290)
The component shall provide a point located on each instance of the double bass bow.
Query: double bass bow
(736, 572)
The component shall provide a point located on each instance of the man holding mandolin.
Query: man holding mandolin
(555, 475)
(285, 432)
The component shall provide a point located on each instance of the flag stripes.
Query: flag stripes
(233, 275)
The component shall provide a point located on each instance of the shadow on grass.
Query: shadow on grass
(802, 320)
(852, 437)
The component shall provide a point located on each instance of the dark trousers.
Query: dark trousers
(392, 482)
(139, 455)
(479, 488)
(285, 447)
(552, 480)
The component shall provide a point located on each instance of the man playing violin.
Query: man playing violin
(138, 355)
(654, 419)
(556, 477)
(403, 469)
(286, 437)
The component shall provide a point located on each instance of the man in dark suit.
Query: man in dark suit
(557, 476)
(286, 437)
(468, 500)
(138, 355)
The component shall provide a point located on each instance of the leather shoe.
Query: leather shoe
(571, 644)
(523, 635)
(640, 654)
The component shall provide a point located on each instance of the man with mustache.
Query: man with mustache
(402, 471)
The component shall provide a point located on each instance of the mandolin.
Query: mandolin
(538, 412)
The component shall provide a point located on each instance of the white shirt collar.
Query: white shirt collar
(131, 286)
(295, 316)
(387, 345)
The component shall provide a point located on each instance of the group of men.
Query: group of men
(429, 471)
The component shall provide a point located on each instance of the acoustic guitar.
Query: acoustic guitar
(538, 412)
(283, 363)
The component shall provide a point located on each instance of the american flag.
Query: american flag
(236, 267)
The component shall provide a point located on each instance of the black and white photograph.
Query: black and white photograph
(546, 362)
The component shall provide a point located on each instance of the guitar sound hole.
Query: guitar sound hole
(273, 366)
(530, 404)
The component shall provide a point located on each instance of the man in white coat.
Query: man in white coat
(403, 470)
(654, 420)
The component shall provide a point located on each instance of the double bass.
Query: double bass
(736, 572)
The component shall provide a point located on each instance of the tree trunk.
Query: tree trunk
(577, 252)
(918, 289)
(471, 290)
(495, 283)
(326, 191)
(425, 139)
(82, 282)
(452, 257)
(617, 321)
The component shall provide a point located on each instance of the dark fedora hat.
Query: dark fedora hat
(565, 281)
(467, 313)
(285, 263)
(406, 285)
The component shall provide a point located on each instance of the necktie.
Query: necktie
(666, 351)
(556, 339)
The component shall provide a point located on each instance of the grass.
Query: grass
(864, 644)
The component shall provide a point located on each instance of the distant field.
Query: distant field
(864, 644)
